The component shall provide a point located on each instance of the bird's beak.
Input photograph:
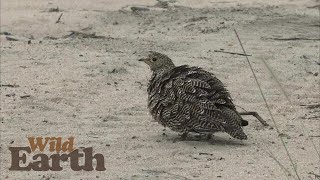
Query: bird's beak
(143, 59)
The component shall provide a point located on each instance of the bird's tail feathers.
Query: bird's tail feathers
(235, 132)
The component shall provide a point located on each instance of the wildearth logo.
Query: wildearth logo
(54, 144)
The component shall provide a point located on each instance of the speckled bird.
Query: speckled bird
(190, 99)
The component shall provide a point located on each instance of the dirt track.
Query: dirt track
(89, 84)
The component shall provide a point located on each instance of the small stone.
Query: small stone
(11, 95)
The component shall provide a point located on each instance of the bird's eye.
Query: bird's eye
(154, 59)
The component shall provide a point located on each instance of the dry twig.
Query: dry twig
(9, 85)
(164, 172)
(232, 53)
(291, 39)
(78, 34)
(59, 18)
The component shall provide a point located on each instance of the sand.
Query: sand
(80, 77)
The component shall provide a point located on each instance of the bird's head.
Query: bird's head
(158, 61)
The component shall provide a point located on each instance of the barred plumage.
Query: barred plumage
(190, 99)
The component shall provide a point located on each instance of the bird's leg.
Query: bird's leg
(184, 135)
(255, 114)
(209, 136)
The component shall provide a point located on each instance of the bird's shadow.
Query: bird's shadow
(216, 140)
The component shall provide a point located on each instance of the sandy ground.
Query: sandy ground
(92, 87)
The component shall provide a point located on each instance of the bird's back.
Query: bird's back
(189, 99)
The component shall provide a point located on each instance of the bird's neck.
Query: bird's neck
(160, 71)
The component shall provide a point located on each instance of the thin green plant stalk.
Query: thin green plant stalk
(284, 169)
(286, 94)
(267, 105)
(288, 99)
(315, 148)
(278, 82)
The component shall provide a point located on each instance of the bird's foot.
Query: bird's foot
(209, 136)
(255, 114)
(184, 136)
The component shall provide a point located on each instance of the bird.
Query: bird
(188, 99)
